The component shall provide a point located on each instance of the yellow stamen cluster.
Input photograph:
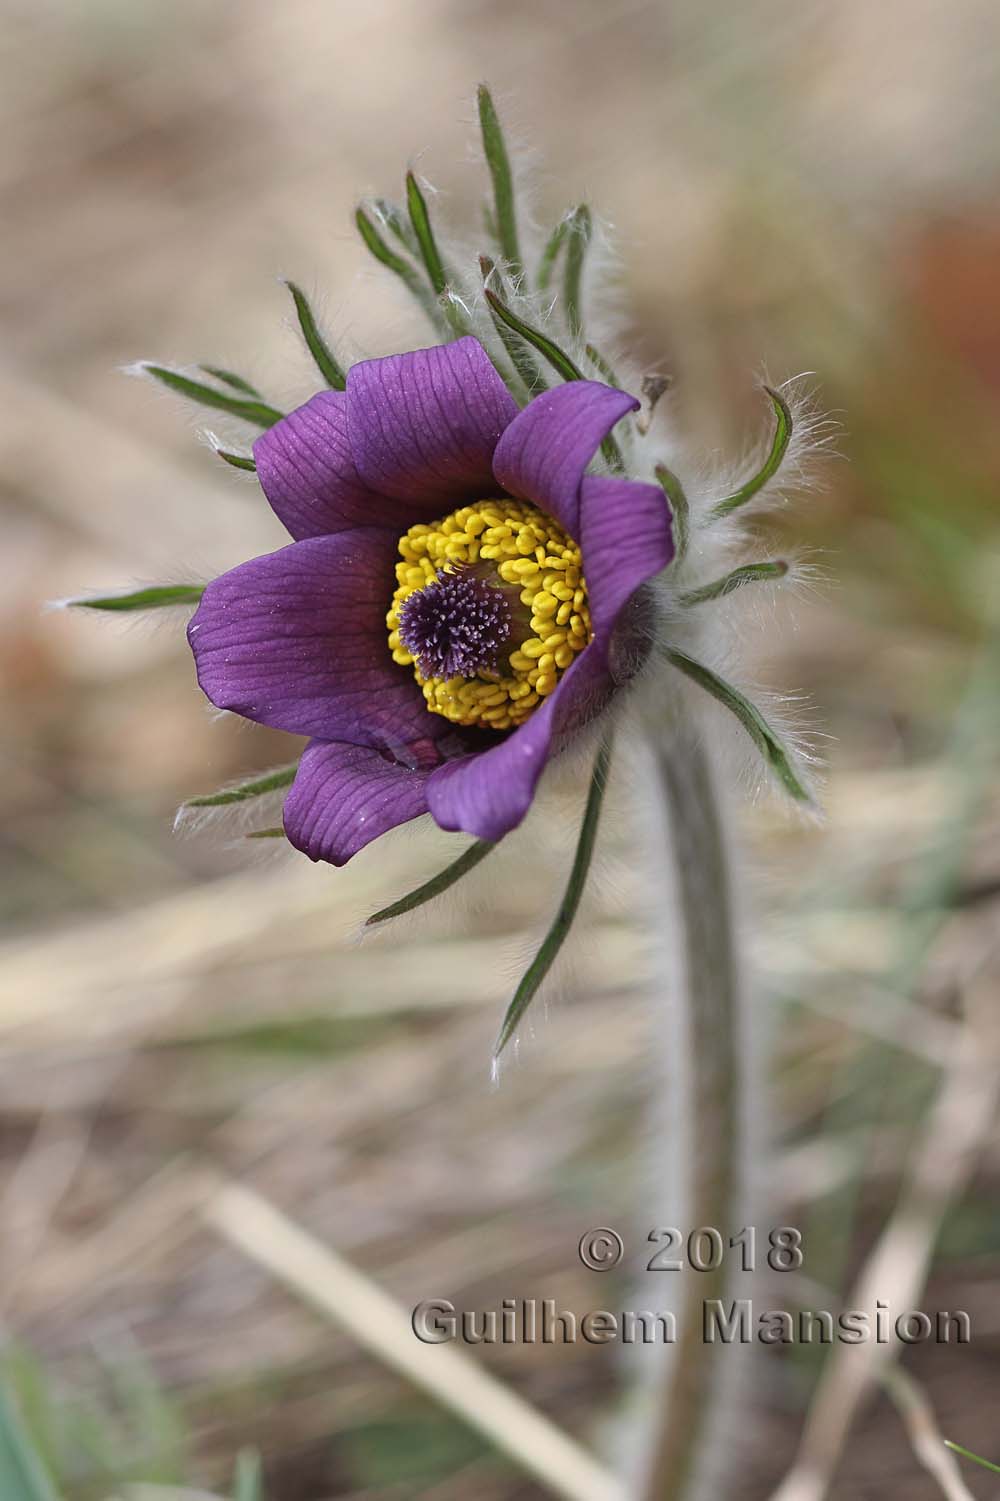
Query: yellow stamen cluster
(540, 567)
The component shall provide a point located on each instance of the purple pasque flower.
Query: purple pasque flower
(424, 491)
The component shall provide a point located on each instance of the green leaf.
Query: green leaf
(326, 364)
(749, 573)
(237, 460)
(681, 511)
(771, 465)
(749, 716)
(968, 1454)
(550, 255)
(23, 1476)
(248, 1483)
(257, 412)
(563, 921)
(266, 834)
(229, 378)
(579, 230)
(533, 379)
(498, 162)
(152, 598)
(400, 267)
(242, 792)
(466, 861)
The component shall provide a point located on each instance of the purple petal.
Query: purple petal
(344, 796)
(488, 794)
(297, 640)
(423, 426)
(626, 538)
(545, 450)
(305, 468)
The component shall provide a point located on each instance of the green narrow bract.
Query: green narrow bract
(229, 378)
(498, 162)
(321, 352)
(467, 860)
(398, 265)
(153, 598)
(257, 412)
(395, 220)
(557, 358)
(563, 921)
(237, 460)
(578, 233)
(274, 833)
(674, 491)
(550, 255)
(271, 781)
(601, 365)
(420, 219)
(749, 716)
(771, 465)
(448, 304)
(749, 573)
(548, 348)
(520, 356)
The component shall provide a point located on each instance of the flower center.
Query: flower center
(490, 609)
(456, 625)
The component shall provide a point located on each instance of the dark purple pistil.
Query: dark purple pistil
(456, 626)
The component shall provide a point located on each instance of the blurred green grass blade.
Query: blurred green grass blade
(547, 264)
(237, 460)
(749, 573)
(771, 465)
(23, 1476)
(248, 1481)
(466, 861)
(498, 162)
(323, 356)
(749, 716)
(518, 352)
(579, 230)
(154, 598)
(266, 834)
(257, 412)
(399, 266)
(563, 921)
(230, 378)
(681, 511)
(271, 781)
(968, 1454)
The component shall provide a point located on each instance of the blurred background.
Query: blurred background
(806, 185)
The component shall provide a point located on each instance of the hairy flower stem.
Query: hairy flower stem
(711, 1075)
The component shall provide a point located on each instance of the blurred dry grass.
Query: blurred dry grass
(809, 185)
